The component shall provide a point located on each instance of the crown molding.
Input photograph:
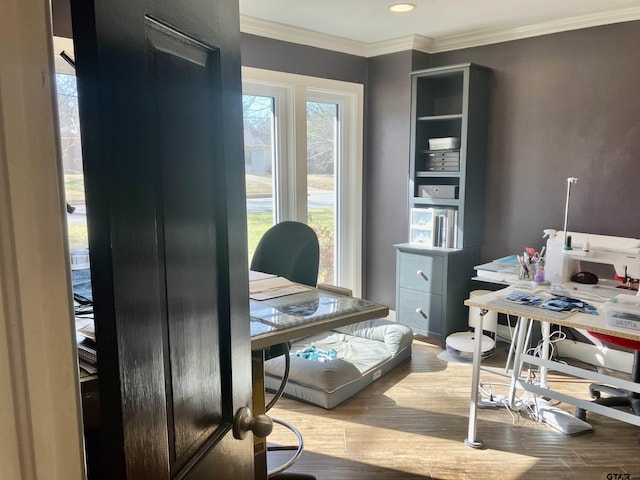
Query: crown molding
(287, 33)
(410, 42)
(497, 35)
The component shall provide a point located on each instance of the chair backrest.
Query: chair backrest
(290, 250)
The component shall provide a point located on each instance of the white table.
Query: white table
(594, 323)
(286, 318)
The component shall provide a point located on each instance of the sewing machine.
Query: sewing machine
(622, 253)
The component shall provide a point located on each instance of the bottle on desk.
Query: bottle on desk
(539, 271)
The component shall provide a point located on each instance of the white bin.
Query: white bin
(460, 345)
(490, 320)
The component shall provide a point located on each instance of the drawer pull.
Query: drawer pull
(419, 311)
(420, 273)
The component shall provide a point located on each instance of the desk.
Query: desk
(273, 321)
(595, 323)
(282, 319)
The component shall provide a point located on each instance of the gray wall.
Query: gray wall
(563, 105)
(269, 54)
(387, 168)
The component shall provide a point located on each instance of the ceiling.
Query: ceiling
(366, 27)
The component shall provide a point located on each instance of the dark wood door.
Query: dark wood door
(160, 110)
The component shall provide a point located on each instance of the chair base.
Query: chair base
(618, 398)
(297, 449)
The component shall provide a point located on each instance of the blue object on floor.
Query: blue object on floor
(317, 355)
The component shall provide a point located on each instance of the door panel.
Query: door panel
(160, 106)
(188, 214)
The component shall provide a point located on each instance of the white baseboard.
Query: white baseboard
(392, 315)
(600, 356)
(596, 355)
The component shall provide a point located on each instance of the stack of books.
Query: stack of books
(434, 227)
(85, 336)
(88, 356)
(444, 229)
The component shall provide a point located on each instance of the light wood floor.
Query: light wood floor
(412, 422)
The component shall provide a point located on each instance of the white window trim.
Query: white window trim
(41, 417)
(350, 98)
(283, 142)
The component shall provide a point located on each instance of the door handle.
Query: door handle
(245, 422)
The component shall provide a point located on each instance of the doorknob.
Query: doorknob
(260, 425)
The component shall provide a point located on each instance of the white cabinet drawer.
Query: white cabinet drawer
(420, 272)
(420, 311)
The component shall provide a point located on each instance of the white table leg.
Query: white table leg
(545, 328)
(512, 345)
(521, 333)
(471, 440)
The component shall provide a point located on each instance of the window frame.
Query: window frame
(291, 161)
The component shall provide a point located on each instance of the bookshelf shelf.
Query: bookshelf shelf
(450, 102)
(434, 118)
(428, 174)
(439, 202)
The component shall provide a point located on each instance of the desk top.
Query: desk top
(282, 319)
(593, 323)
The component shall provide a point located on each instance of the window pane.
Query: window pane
(322, 120)
(72, 168)
(259, 155)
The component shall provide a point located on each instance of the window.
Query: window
(71, 147)
(303, 159)
(322, 143)
(259, 152)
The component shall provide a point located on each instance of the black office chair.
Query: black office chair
(617, 397)
(289, 250)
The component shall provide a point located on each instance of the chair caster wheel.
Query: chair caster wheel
(581, 414)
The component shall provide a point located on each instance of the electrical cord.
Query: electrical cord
(528, 403)
(285, 378)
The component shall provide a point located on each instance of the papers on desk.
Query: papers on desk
(86, 341)
(522, 303)
(253, 275)
(274, 287)
(85, 327)
(504, 270)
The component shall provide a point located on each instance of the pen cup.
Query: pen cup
(527, 271)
